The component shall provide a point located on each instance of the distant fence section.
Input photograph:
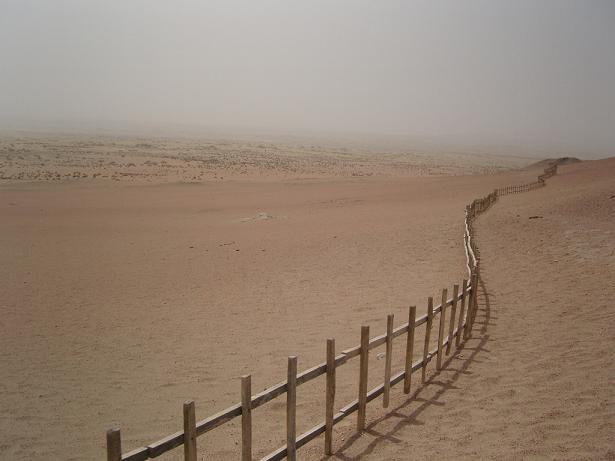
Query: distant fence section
(479, 206)
(461, 310)
(541, 182)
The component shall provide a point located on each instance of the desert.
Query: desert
(312, 230)
(123, 298)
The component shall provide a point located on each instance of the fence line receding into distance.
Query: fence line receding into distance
(463, 300)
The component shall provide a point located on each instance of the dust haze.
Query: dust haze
(490, 76)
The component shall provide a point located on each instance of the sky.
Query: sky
(531, 74)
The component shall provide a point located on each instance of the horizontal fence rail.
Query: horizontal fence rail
(459, 328)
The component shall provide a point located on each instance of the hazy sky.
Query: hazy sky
(533, 72)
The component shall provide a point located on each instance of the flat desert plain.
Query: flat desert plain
(138, 274)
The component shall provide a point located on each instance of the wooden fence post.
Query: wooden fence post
(291, 410)
(468, 331)
(246, 418)
(472, 303)
(409, 349)
(441, 331)
(330, 396)
(189, 431)
(427, 335)
(451, 327)
(460, 328)
(114, 445)
(363, 364)
(474, 298)
(387, 365)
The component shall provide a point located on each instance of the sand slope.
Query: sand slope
(536, 381)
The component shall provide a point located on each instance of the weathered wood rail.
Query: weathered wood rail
(459, 329)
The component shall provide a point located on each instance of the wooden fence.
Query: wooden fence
(550, 171)
(462, 306)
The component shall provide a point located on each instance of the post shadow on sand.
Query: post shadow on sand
(476, 346)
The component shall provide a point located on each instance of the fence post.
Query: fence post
(427, 335)
(451, 327)
(246, 418)
(291, 410)
(189, 431)
(468, 329)
(460, 326)
(114, 445)
(387, 365)
(409, 349)
(474, 298)
(363, 378)
(330, 396)
(441, 331)
(472, 304)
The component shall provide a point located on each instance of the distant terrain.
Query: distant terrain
(70, 158)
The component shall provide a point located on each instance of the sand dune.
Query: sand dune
(122, 301)
(550, 161)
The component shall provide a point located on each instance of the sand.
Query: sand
(536, 380)
(121, 299)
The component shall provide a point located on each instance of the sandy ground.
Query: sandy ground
(121, 300)
(536, 381)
